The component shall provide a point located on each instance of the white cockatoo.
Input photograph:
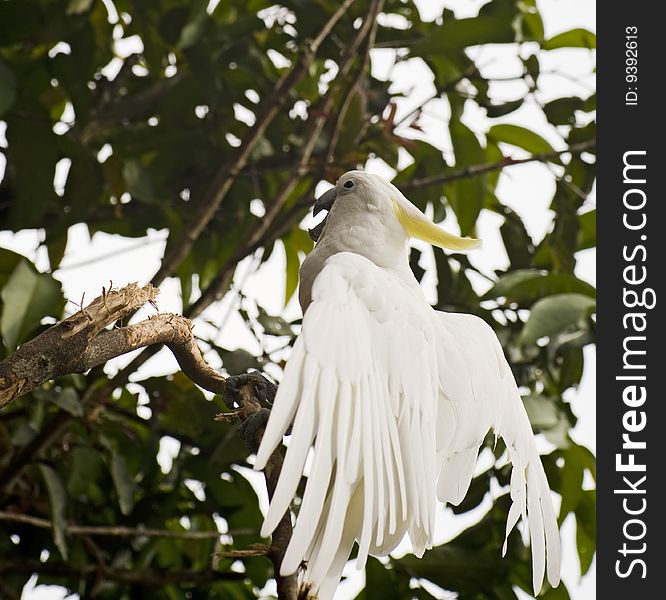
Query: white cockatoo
(393, 397)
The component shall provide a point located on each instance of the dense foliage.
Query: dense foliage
(218, 106)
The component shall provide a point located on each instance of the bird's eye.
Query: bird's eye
(349, 184)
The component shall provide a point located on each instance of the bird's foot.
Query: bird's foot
(263, 390)
(249, 428)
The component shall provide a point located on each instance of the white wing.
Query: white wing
(463, 424)
(362, 387)
(395, 398)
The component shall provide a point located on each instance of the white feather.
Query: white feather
(394, 399)
(497, 404)
(369, 462)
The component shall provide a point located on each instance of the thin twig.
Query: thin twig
(370, 24)
(110, 531)
(250, 551)
(475, 170)
(227, 174)
(149, 577)
(221, 281)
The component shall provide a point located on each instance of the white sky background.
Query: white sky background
(89, 264)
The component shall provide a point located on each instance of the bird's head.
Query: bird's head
(360, 198)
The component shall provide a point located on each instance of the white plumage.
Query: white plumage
(394, 397)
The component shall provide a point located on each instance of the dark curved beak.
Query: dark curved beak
(324, 202)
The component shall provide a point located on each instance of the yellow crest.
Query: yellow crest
(417, 225)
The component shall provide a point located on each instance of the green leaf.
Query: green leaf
(416, 268)
(499, 110)
(587, 459)
(382, 582)
(574, 38)
(532, 23)
(493, 25)
(56, 244)
(58, 501)
(353, 124)
(27, 297)
(85, 469)
(427, 160)
(542, 411)
(459, 568)
(561, 111)
(559, 435)
(138, 181)
(238, 361)
(587, 229)
(571, 482)
(67, 399)
(32, 155)
(525, 286)
(8, 261)
(586, 529)
(7, 88)
(572, 360)
(467, 195)
(273, 325)
(195, 27)
(518, 243)
(508, 281)
(533, 68)
(77, 7)
(558, 593)
(554, 314)
(520, 136)
(590, 103)
(123, 482)
(585, 134)
(296, 242)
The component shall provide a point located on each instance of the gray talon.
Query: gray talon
(264, 389)
(248, 428)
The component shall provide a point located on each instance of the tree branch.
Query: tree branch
(60, 349)
(110, 531)
(475, 170)
(227, 174)
(322, 111)
(80, 343)
(152, 577)
(249, 405)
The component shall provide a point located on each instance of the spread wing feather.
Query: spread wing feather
(361, 387)
(496, 404)
(393, 400)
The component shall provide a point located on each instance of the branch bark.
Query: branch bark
(61, 348)
(80, 343)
